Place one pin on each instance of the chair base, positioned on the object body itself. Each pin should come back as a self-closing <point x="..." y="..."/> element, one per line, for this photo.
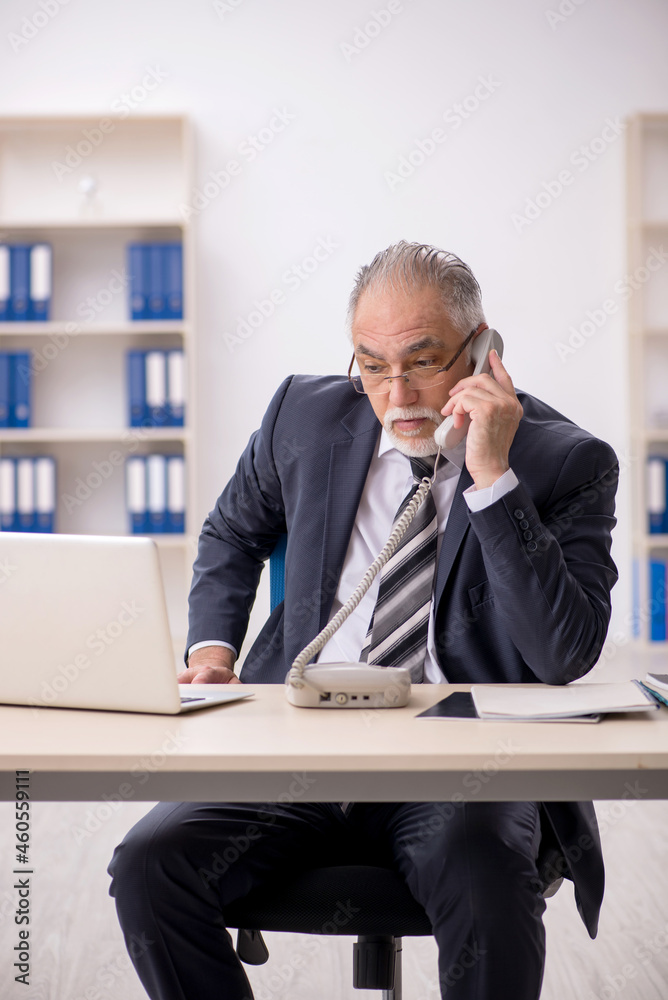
<point x="374" y="961"/>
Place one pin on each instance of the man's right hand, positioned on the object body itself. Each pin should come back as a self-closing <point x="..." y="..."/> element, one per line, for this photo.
<point x="210" y="665"/>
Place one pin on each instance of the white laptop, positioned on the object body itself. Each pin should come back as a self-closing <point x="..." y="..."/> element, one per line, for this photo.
<point x="83" y="624"/>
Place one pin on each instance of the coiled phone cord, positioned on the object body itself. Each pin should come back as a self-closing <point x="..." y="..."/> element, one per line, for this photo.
<point x="296" y="675"/>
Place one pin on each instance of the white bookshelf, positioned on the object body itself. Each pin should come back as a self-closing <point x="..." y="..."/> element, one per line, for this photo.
<point x="128" y="188"/>
<point x="647" y="237"/>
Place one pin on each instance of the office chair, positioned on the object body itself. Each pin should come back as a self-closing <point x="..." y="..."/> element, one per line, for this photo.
<point x="372" y="903"/>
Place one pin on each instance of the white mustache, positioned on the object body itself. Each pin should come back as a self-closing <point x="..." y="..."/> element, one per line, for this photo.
<point x="410" y="413"/>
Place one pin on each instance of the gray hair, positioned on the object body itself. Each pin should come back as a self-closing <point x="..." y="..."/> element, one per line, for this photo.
<point x="411" y="266"/>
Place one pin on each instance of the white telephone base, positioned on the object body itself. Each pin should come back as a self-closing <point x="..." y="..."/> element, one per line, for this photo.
<point x="350" y="685"/>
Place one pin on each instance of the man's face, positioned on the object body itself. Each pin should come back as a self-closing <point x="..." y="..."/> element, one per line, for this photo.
<point x="395" y="331"/>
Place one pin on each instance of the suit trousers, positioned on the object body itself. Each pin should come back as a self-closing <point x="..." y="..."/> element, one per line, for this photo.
<point x="472" y="866"/>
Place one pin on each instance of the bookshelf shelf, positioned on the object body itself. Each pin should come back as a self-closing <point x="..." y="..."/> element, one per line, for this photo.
<point x="647" y="229"/>
<point x="652" y="225"/>
<point x="101" y="223"/>
<point x="654" y="541"/>
<point x="76" y="435"/>
<point x="129" y="188"/>
<point x="658" y="332"/>
<point x="121" y="328"/>
<point x="656" y="434"/>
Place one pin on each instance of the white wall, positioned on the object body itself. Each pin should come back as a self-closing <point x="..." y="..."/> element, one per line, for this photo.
<point x="554" y="80"/>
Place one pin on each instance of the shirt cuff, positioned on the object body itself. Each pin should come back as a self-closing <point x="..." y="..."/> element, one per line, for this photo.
<point x="479" y="499"/>
<point x="211" y="642"/>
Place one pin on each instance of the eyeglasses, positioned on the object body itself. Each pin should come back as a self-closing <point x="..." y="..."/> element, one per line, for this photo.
<point x="376" y="384"/>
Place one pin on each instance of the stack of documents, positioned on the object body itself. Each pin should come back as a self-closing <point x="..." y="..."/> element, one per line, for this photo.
<point x="657" y="684"/>
<point x="523" y="703"/>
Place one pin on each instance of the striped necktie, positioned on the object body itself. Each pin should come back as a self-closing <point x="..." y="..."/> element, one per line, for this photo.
<point x="397" y="635"/>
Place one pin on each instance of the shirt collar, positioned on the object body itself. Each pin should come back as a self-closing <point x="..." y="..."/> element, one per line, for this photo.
<point x="455" y="455"/>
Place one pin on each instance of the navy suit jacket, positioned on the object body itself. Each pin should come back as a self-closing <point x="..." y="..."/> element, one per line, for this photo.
<point x="522" y="587"/>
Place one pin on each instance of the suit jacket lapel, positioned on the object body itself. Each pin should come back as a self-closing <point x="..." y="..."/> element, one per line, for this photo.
<point x="350" y="458"/>
<point x="455" y="531"/>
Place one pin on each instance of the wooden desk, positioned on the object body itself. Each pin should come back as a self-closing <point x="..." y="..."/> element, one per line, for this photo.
<point x="264" y="749"/>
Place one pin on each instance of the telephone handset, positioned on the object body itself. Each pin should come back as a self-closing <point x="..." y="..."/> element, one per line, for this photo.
<point x="446" y="435"/>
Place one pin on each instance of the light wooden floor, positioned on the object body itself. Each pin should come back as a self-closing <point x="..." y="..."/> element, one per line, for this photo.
<point x="78" y="952"/>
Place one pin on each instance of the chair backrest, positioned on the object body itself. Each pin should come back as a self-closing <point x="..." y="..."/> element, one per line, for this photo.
<point x="277" y="572"/>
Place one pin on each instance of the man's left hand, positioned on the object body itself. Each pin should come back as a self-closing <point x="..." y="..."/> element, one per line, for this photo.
<point x="495" y="413"/>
